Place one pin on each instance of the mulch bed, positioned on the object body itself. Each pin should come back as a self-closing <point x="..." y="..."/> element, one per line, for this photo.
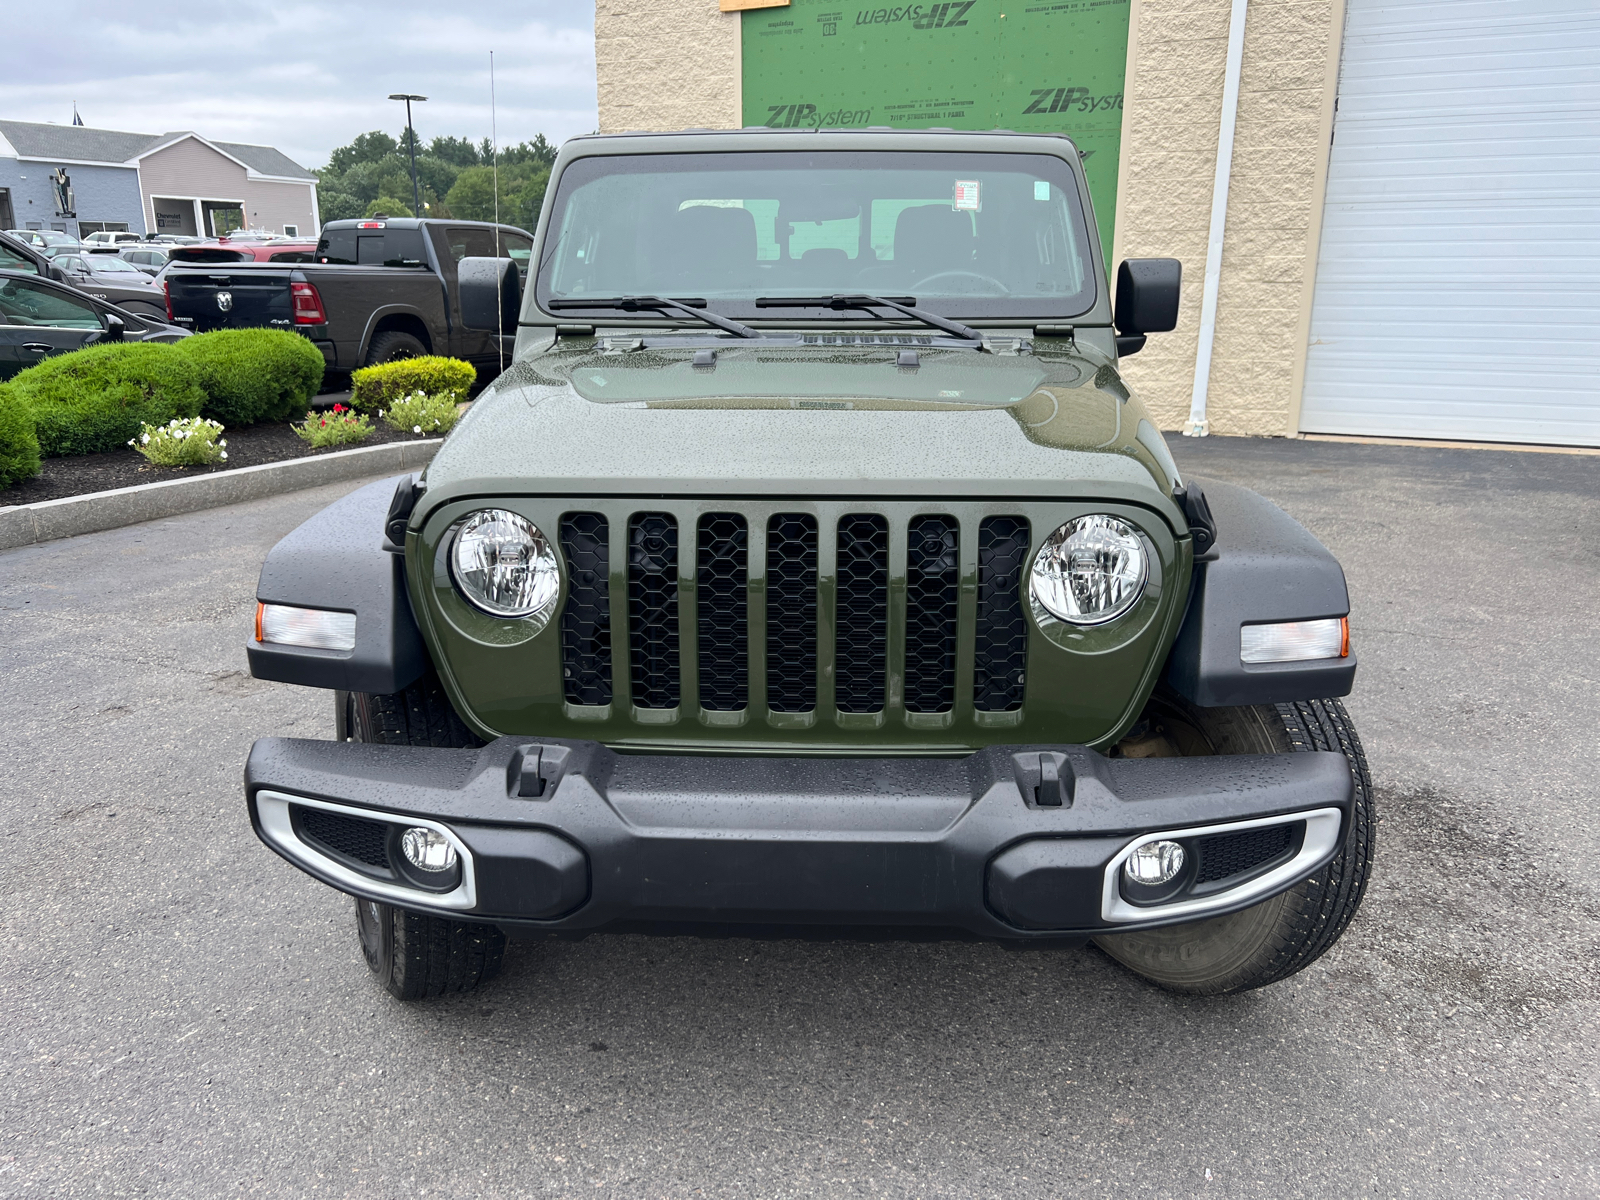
<point x="247" y="447"/>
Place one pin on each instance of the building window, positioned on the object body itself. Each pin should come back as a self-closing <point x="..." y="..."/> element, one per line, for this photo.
<point x="291" y="230"/>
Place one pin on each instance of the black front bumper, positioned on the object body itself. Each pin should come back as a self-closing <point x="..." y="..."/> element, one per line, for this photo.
<point x="569" y="836"/>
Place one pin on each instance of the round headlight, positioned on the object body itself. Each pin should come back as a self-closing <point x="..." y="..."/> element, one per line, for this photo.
<point x="503" y="565"/>
<point x="1090" y="570"/>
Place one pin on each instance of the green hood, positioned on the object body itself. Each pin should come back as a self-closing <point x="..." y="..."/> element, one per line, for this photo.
<point x="807" y="420"/>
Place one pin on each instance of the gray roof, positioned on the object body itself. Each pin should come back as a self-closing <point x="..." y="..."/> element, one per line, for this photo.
<point x="264" y="160"/>
<point x="33" y="140"/>
<point x="73" y="142"/>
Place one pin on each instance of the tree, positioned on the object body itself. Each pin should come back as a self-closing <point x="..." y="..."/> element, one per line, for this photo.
<point x="369" y="147"/>
<point x="388" y="206"/>
<point x="337" y="206"/>
<point x="458" y="152"/>
<point x="522" y="188"/>
<point x="375" y="168"/>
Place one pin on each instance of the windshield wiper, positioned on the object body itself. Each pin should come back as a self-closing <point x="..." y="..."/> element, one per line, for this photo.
<point x="902" y="304"/>
<point x="690" y="307"/>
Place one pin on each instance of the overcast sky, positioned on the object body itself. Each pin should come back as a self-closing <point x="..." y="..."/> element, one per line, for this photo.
<point x="304" y="77"/>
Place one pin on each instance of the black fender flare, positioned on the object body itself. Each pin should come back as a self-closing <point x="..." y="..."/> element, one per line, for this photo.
<point x="337" y="560"/>
<point x="1265" y="566"/>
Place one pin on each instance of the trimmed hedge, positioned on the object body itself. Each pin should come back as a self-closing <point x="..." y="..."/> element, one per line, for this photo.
<point x="252" y="375"/>
<point x="19" y="449"/>
<point x="94" y="400"/>
<point x="380" y="386"/>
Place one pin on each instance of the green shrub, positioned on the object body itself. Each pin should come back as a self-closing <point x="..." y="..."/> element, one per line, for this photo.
<point x="94" y="400"/>
<point x="252" y="375"/>
<point x="340" y="427"/>
<point x="19" y="449"/>
<point x="182" y="442"/>
<point x="379" y="387"/>
<point x="422" y="414"/>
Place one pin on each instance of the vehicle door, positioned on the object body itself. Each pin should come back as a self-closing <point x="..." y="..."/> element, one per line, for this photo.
<point x="38" y="320"/>
<point x="451" y="244"/>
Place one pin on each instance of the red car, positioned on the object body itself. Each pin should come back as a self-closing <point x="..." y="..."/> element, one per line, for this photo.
<point x="245" y="250"/>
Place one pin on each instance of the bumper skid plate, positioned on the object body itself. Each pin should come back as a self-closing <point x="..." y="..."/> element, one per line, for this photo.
<point x="1009" y="842"/>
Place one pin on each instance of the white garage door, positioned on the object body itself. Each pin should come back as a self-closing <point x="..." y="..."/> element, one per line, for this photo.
<point x="1458" y="286"/>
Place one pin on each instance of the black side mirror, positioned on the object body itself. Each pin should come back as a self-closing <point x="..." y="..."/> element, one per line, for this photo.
<point x="491" y="294"/>
<point x="1147" y="300"/>
<point x="116" y="328"/>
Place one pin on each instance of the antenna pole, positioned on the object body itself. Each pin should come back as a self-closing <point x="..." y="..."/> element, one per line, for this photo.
<point x="494" y="159"/>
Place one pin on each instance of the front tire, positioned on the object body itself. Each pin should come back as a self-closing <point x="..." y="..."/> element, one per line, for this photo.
<point x="417" y="956"/>
<point x="1287" y="933"/>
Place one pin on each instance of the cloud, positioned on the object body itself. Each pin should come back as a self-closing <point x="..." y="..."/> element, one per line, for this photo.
<point x="305" y="77"/>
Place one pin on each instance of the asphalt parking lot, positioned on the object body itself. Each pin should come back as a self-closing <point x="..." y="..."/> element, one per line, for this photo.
<point x="182" y="1014"/>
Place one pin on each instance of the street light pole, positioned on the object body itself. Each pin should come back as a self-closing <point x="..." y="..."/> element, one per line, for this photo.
<point x="411" y="145"/>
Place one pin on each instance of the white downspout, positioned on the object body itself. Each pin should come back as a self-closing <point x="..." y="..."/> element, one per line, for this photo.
<point x="1198" y="426"/>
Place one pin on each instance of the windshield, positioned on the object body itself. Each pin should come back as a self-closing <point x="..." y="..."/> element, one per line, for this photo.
<point x="964" y="234"/>
<point x="110" y="264"/>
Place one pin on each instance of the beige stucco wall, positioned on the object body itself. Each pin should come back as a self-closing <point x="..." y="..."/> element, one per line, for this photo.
<point x="1173" y="109"/>
<point x="274" y="205"/>
<point x="669" y="64"/>
<point x="666" y="65"/>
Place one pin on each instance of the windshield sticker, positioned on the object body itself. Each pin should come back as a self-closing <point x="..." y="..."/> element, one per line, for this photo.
<point x="966" y="197"/>
<point x="830" y="405"/>
<point x="1041" y="189"/>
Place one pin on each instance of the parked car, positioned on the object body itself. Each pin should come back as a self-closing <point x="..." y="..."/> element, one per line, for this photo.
<point x="113" y="237"/>
<point x="40" y="317"/>
<point x="816" y="565"/>
<point x="377" y="290"/>
<point x="148" y="258"/>
<point x="175" y="239"/>
<point x="105" y="275"/>
<point x="43" y="239"/>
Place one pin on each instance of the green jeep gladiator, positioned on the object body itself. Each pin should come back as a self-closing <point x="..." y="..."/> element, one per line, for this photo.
<point x="811" y="566"/>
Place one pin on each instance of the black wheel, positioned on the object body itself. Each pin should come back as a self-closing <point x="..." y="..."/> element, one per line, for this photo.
<point x="417" y="956"/>
<point x="1287" y="933"/>
<point x="391" y="346"/>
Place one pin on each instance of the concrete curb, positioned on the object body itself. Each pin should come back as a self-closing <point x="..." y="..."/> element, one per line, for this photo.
<point x="28" y="524"/>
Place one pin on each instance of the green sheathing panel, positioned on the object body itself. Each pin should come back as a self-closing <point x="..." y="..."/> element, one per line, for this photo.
<point x="969" y="64"/>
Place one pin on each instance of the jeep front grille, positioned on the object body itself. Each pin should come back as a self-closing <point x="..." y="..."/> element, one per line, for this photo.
<point x="786" y="612"/>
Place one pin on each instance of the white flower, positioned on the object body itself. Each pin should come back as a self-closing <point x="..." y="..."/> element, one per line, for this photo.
<point x="145" y="439"/>
<point x="224" y="456"/>
<point x="416" y="429"/>
<point x="223" y="442"/>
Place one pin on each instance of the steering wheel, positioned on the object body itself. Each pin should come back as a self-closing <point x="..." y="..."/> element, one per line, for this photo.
<point x="922" y="284"/>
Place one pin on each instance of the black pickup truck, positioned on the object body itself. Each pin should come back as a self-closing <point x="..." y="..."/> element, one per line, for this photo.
<point x="378" y="290"/>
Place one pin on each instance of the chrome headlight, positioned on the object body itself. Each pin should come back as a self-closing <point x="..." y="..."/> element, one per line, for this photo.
<point x="504" y="565"/>
<point x="1089" y="571"/>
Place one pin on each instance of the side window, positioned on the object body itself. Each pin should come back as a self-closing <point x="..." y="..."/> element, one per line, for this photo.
<point x="25" y="303"/>
<point x="10" y="260"/>
<point x="518" y="249"/>
<point x="469" y="243"/>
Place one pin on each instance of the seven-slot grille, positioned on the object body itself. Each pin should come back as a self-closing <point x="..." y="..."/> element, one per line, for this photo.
<point x="852" y="626"/>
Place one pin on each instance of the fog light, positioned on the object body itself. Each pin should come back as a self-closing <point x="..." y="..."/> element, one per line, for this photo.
<point x="1154" y="863"/>
<point x="430" y="850"/>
